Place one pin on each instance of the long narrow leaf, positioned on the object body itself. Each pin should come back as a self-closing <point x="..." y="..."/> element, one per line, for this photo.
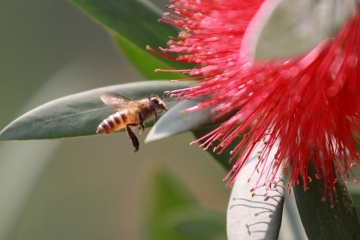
<point x="177" y="121"/>
<point x="320" y="220"/>
<point x="131" y="19"/>
<point x="200" y="122"/>
<point x="78" y="114"/>
<point x="255" y="215"/>
<point x="145" y="61"/>
<point x="134" y="22"/>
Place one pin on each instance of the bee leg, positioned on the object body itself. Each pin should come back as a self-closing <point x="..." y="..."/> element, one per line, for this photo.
<point x="133" y="138"/>
<point x="155" y="117"/>
<point x="142" y="127"/>
<point x="141" y="122"/>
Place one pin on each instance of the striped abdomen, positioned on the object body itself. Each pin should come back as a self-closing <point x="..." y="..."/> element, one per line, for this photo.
<point x="116" y="122"/>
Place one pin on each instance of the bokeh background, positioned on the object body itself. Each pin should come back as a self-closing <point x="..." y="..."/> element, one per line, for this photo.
<point x="80" y="188"/>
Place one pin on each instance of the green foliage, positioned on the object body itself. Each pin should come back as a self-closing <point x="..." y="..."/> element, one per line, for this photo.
<point x="133" y="20"/>
<point x="78" y="114"/>
<point x="134" y="25"/>
<point x="194" y="222"/>
<point x="320" y="220"/>
<point x="173" y="213"/>
<point x="356" y="199"/>
<point x="117" y="15"/>
<point x="145" y="61"/>
<point x="177" y="121"/>
<point x="201" y="122"/>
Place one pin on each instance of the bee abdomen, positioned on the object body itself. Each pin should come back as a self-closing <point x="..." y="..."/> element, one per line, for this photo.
<point x="110" y="124"/>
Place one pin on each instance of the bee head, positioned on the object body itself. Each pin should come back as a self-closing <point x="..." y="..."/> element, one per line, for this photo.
<point x="157" y="103"/>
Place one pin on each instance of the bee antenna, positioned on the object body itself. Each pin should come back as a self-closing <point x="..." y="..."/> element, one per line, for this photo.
<point x="162" y="97"/>
<point x="168" y="92"/>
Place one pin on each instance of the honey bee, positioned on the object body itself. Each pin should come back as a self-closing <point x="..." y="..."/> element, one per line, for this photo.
<point x="130" y="114"/>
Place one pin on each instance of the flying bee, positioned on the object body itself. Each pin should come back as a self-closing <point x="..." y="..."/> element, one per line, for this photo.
<point x="130" y="114"/>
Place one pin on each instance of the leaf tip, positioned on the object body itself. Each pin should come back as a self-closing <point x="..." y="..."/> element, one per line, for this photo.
<point x="154" y="136"/>
<point x="4" y="136"/>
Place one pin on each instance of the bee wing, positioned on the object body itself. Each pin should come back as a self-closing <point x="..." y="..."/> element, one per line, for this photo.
<point x="115" y="101"/>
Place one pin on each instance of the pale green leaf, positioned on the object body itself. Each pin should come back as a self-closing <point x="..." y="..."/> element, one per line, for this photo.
<point x="177" y="121"/>
<point x="79" y="114"/>
<point x="258" y="214"/>
<point x="283" y="28"/>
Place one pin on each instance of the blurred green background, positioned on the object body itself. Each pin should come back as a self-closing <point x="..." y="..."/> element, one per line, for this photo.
<point x="81" y="188"/>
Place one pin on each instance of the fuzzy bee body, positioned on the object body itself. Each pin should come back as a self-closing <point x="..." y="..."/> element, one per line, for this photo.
<point x="129" y="114"/>
<point x="117" y="121"/>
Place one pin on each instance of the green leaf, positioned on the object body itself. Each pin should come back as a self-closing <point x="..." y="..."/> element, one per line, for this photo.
<point x="200" y="122"/>
<point x="78" y="114"/>
<point x="319" y="219"/>
<point x="258" y="214"/>
<point x="145" y="61"/>
<point x="134" y="25"/>
<point x="356" y="199"/>
<point x="131" y="19"/>
<point x="290" y="27"/>
<point x="165" y="195"/>
<point x="197" y="223"/>
<point x="177" y="121"/>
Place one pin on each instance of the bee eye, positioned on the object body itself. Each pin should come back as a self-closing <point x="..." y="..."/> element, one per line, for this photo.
<point x="154" y="100"/>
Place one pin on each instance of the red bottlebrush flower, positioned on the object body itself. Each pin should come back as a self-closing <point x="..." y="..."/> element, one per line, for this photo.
<point x="309" y="105"/>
